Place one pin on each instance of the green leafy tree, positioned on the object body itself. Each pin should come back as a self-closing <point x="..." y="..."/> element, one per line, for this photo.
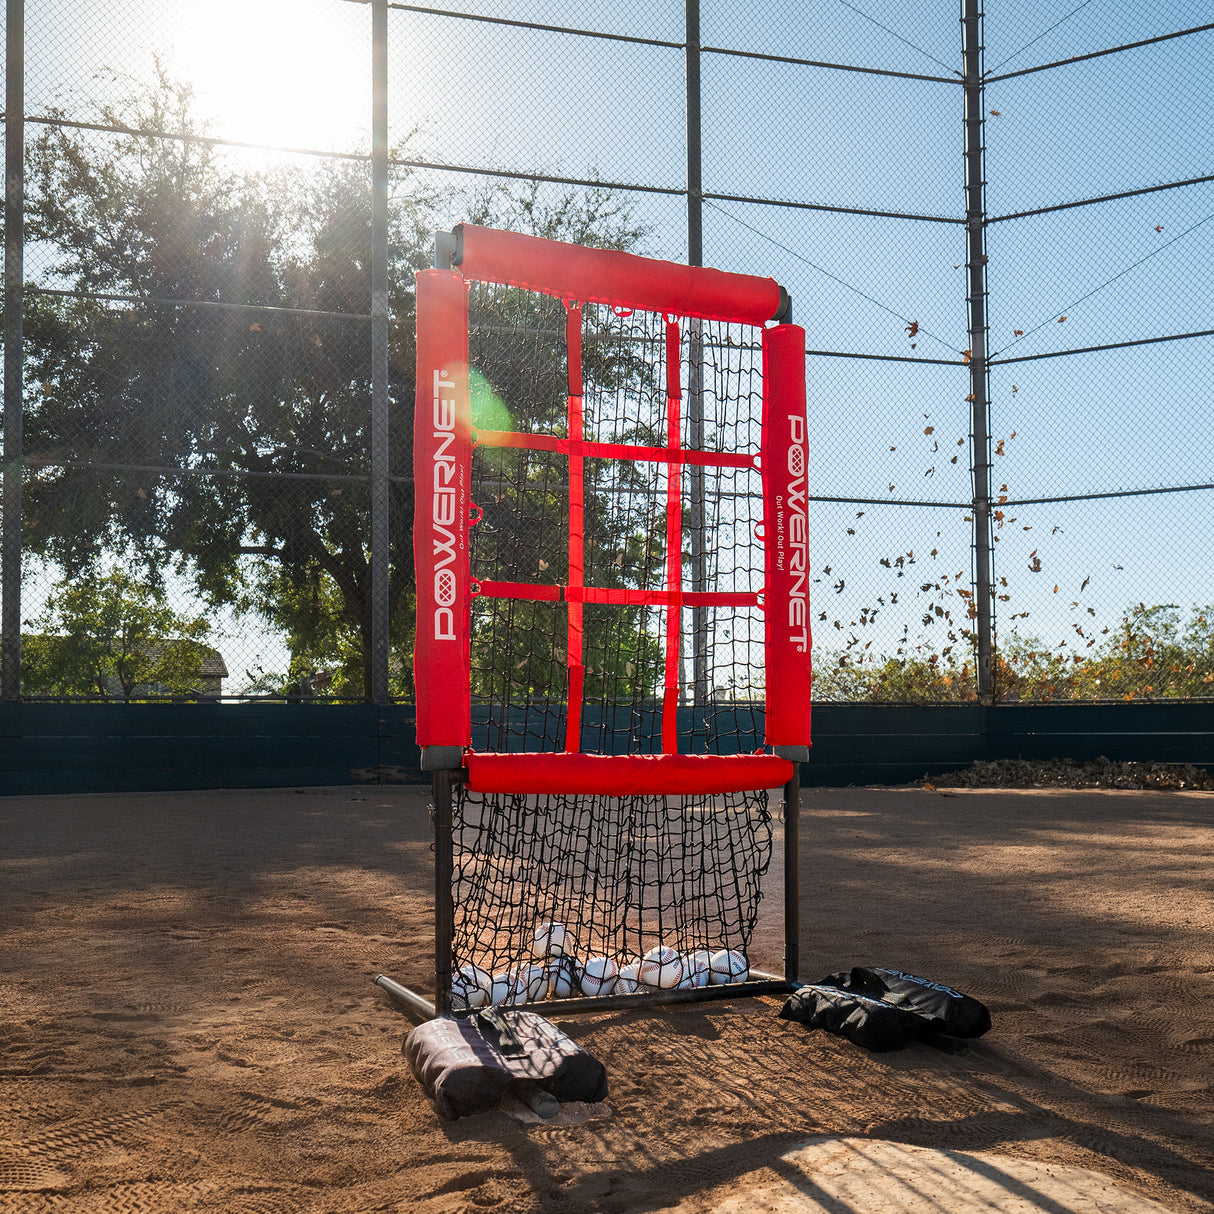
<point x="1154" y="654"/>
<point x="111" y="636"/>
<point x="268" y="410"/>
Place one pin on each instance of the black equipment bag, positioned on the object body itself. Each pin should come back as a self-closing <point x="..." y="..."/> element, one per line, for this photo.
<point x="863" y="1021"/>
<point x="943" y="1009"/>
<point x="467" y="1066"/>
<point x="885" y="1009"/>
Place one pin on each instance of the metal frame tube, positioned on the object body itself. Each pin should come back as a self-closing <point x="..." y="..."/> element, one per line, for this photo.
<point x="444" y="895"/>
<point x="792" y="877"/>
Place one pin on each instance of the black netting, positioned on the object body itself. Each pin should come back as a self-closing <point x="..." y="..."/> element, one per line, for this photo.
<point x="520" y="645"/>
<point x="621" y="876"/>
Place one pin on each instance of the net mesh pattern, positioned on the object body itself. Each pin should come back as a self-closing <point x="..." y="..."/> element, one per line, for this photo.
<point x="520" y="646"/>
<point x="620" y="875"/>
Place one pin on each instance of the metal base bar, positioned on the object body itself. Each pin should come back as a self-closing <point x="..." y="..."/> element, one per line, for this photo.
<point x="705" y="994"/>
<point x="406" y="998"/>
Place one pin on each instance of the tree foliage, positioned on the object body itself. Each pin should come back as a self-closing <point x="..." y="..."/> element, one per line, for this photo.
<point x="216" y="320"/>
<point x="1153" y="654"/>
<point x="110" y="636"/>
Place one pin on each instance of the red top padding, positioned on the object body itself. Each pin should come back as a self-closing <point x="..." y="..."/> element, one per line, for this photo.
<point x="605" y="276"/>
<point x="625" y="775"/>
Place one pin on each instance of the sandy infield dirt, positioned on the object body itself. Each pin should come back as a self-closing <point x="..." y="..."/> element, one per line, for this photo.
<point x="188" y="1022"/>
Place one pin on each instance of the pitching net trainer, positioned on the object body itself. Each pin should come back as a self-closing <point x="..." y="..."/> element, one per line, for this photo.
<point x="613" y="645"/>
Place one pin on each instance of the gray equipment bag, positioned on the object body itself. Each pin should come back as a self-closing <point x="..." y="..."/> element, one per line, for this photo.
<point x="467" y="1066"/>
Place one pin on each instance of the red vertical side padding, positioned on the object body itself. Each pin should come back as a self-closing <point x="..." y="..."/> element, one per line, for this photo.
<point x="442" y="459"/>
<point x="674" y="541"/>
<point x="786" y="536"/>
<point x="577" y="528"/>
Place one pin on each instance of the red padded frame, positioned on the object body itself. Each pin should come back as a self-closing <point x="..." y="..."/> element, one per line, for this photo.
<point x="626" y="775"/>
<point x="605" y="276"/>
<point x="443" y="445"/>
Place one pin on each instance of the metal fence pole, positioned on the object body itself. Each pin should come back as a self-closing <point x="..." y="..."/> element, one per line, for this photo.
<point x="380" y="553"/>
<point x="14" y="275"/>
<point x="975" y="241"/>
<point x="697" y="538"/>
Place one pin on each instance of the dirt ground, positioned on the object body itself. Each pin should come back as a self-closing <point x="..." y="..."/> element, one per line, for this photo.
<point x="188" y="1022"/>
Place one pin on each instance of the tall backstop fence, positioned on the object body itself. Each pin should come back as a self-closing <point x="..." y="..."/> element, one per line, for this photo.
<point x="994" y="226"/>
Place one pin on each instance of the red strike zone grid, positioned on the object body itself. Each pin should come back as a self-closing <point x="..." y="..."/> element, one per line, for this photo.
<point x="444" y="442"/>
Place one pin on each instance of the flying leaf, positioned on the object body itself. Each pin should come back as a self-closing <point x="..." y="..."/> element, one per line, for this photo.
<point x="929" y="430"/>
<point x="1061" y="319"/>
<point x="1159" y="227"/>
<point x="1017" y="332"/>
<point x="912" y="329"/>
<point x="965" y="355"/>
<point x="997" y="113"/>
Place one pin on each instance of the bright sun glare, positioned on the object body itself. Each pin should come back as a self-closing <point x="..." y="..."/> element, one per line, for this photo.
<point x="289" y="73"/>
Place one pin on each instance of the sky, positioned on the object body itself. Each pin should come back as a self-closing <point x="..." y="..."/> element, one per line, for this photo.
<point x="492" y="95"/>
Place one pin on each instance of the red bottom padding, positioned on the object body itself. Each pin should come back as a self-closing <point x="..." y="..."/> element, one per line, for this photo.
<point x="625" y="775"/>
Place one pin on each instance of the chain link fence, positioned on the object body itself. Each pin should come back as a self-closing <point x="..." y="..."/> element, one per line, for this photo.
<point x="995" y="230"/>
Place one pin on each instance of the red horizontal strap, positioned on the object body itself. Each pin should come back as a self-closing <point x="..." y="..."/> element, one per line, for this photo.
<point x="516" y="438"/>
<point x="595" y="450"/>
<point x="519" y="590"/>
<point x="664" y="455"/>
<point x="662" y="598"/>
<point x="616" y="596"/>
<point x="625" y="775"/>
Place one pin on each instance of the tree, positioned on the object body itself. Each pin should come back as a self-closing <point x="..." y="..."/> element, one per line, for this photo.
<point x="267" y="410"/>
<point x="113" y="637"/>
<point x="1154" y="654"/>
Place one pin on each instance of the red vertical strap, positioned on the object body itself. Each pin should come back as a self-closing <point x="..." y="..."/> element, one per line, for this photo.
<point x="442" y="458"/>
<point x="785" y="459"/>
<point x="577" y="528"/>
<point x="674" y="541"/>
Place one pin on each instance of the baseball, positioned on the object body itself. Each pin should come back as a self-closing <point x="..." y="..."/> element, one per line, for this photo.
<point x="469" y="988"/>
<point x="506" y="989"/>
<point x="599" y="975"/>
<point x="661" y="967"/>
<point x="696" y="966"/>
<point x="532" y="980"/>
<point x="561" y="973"/>
<point x="551" y="940"/>
<point x="729" y="965"/>
<point x="628" y="981"/>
